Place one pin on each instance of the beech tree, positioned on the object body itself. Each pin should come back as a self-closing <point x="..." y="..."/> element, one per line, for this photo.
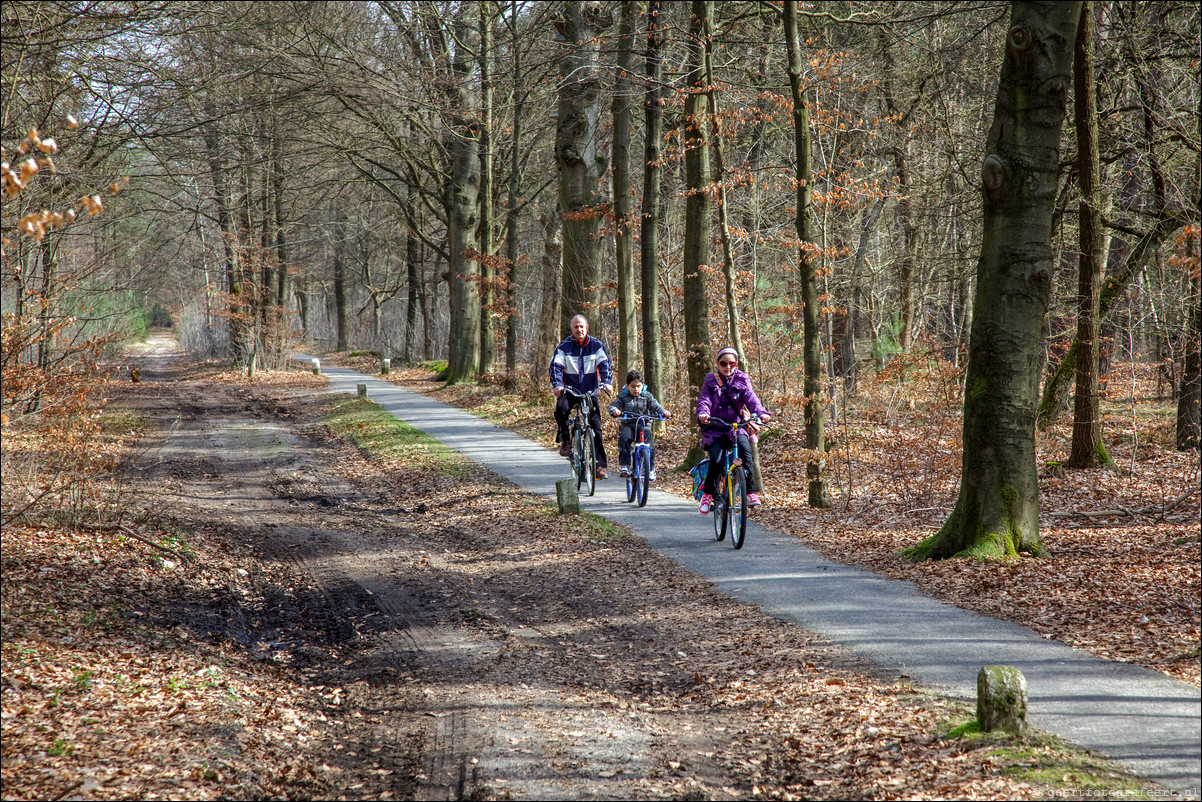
<point x="578" y="157"/>
<point x="819" y="494"/>
<point x="649" y="229"/>
<point x="997" y="511"/>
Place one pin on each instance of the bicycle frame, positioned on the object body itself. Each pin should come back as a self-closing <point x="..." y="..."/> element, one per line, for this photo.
<point x="730" y="500"/>
<point x="637" y="484"/>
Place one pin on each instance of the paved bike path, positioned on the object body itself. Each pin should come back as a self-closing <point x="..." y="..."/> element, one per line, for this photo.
<point x="1141" y="718"/>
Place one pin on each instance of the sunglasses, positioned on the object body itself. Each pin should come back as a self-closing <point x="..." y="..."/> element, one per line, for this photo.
<point x="728" y="363"/>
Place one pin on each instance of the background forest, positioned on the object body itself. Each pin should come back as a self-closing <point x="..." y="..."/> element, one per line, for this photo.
<point x="453" y="181"/>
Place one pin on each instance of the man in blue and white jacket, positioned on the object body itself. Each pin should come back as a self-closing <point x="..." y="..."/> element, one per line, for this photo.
<point x="580" y="364"/>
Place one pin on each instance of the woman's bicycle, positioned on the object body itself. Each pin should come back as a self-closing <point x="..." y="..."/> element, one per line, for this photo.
<point x="581" y="436"/>
<point x="639" y="480"/>
<point x="730" y="508"/>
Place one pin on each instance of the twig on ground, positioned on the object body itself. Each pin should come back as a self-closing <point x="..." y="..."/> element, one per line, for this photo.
<point x="185" y="559"/>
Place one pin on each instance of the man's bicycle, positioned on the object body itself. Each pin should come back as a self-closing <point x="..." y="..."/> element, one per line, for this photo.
<point x="730" y="509"/>
<point x="582" y="437"/>
<point x="639" y="480"/>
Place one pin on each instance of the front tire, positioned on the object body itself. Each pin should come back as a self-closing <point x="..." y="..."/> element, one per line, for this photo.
<point x="590" y="462"/>
<point x="719" y="509"/>
<point x="643" y="460"/>
<point x="738" y="509"/>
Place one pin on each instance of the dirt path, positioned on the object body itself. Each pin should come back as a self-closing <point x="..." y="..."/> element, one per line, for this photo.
<point x="463" y="642"/>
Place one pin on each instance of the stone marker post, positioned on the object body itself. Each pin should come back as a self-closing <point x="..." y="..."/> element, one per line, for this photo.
<point x="362" y="392"/>
<point x="1002" y="699"/>
<point x="566" y="495"/>
<point x="385" y="366"/>
<point x="317" y="367"/>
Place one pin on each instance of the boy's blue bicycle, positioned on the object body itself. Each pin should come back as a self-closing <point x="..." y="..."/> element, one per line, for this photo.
<point x="639" y="480"/>
<point x="730" y="509"/>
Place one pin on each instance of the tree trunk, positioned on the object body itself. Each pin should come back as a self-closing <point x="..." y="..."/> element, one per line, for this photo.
<point x="623" y="222"/>
<point x="488" y="333"/>
<point x="997" y="512"/>
<point x="728" y="255"/>
<point x="697" y="207"/>
<point x="1189" y="412"/>
<point x="1087" y="448"/>
<point x="580" y="164"/>
<point x="463" y="351"/>
<point x="512" y="216"/>
<point x="819" y="493"/>
<point x="649" y="228"/>
<point x="547" y="332"/>
<point x="340" y="281"/>
<point x="413" y="282"/>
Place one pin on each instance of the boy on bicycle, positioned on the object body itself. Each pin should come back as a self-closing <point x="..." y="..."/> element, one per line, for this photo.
<point x="726" y="394"/>
<point x="634" y="400"/>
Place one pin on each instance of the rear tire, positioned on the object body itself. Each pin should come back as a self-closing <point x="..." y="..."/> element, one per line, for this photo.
<point x="738" y="509"/>
<point x="577" y="455"/>
<point x="643" y="460"/>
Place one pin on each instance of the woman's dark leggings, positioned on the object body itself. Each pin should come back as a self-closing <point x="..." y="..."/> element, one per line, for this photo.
<point x="716" y="463"/>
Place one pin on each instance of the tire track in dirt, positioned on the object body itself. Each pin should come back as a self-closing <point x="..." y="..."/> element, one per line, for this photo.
<point x="232" y="465"/>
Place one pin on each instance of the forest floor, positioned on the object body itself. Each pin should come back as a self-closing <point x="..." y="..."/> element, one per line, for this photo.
<point x="1125" y="578"/>
<point x="276" y="612"/>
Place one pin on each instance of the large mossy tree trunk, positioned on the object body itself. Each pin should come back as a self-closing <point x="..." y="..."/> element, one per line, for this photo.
<point x="997" y="512"/>
<point x="579" y="161"/>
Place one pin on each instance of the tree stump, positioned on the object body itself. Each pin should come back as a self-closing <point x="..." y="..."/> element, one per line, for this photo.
<point x="1002" y="699"/>
<point x="566" y="495"/>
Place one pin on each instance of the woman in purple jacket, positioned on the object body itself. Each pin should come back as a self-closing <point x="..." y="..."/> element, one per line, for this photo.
<point x="726" y="394"/>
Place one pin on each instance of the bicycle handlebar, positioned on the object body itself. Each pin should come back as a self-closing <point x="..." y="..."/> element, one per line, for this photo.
<point x="575" y="394"/>
<point x="717" y="424"/>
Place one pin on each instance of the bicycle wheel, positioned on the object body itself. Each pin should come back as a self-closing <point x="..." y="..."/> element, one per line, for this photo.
<point x="643" y="461"/>
<point x="738" y="508"/>
<point x="632" y="478"/>
<point x="578" y="455"/>
<point x="589" y="462"/>
<point x="719" y="509"/>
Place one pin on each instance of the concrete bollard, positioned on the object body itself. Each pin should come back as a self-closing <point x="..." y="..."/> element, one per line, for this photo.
<point x="362" y="392"/>
<point x="317" y="367"/>
<point x="566" y="495"/>
<point x="385" y="367"/>
<point x="1002" y="699"/>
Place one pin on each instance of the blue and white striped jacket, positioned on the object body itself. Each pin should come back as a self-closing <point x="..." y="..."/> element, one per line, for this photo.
<point x="577" y="366"/>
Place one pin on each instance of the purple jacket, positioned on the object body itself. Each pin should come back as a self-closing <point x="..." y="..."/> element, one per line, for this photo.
<point x="726" y="402"/>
